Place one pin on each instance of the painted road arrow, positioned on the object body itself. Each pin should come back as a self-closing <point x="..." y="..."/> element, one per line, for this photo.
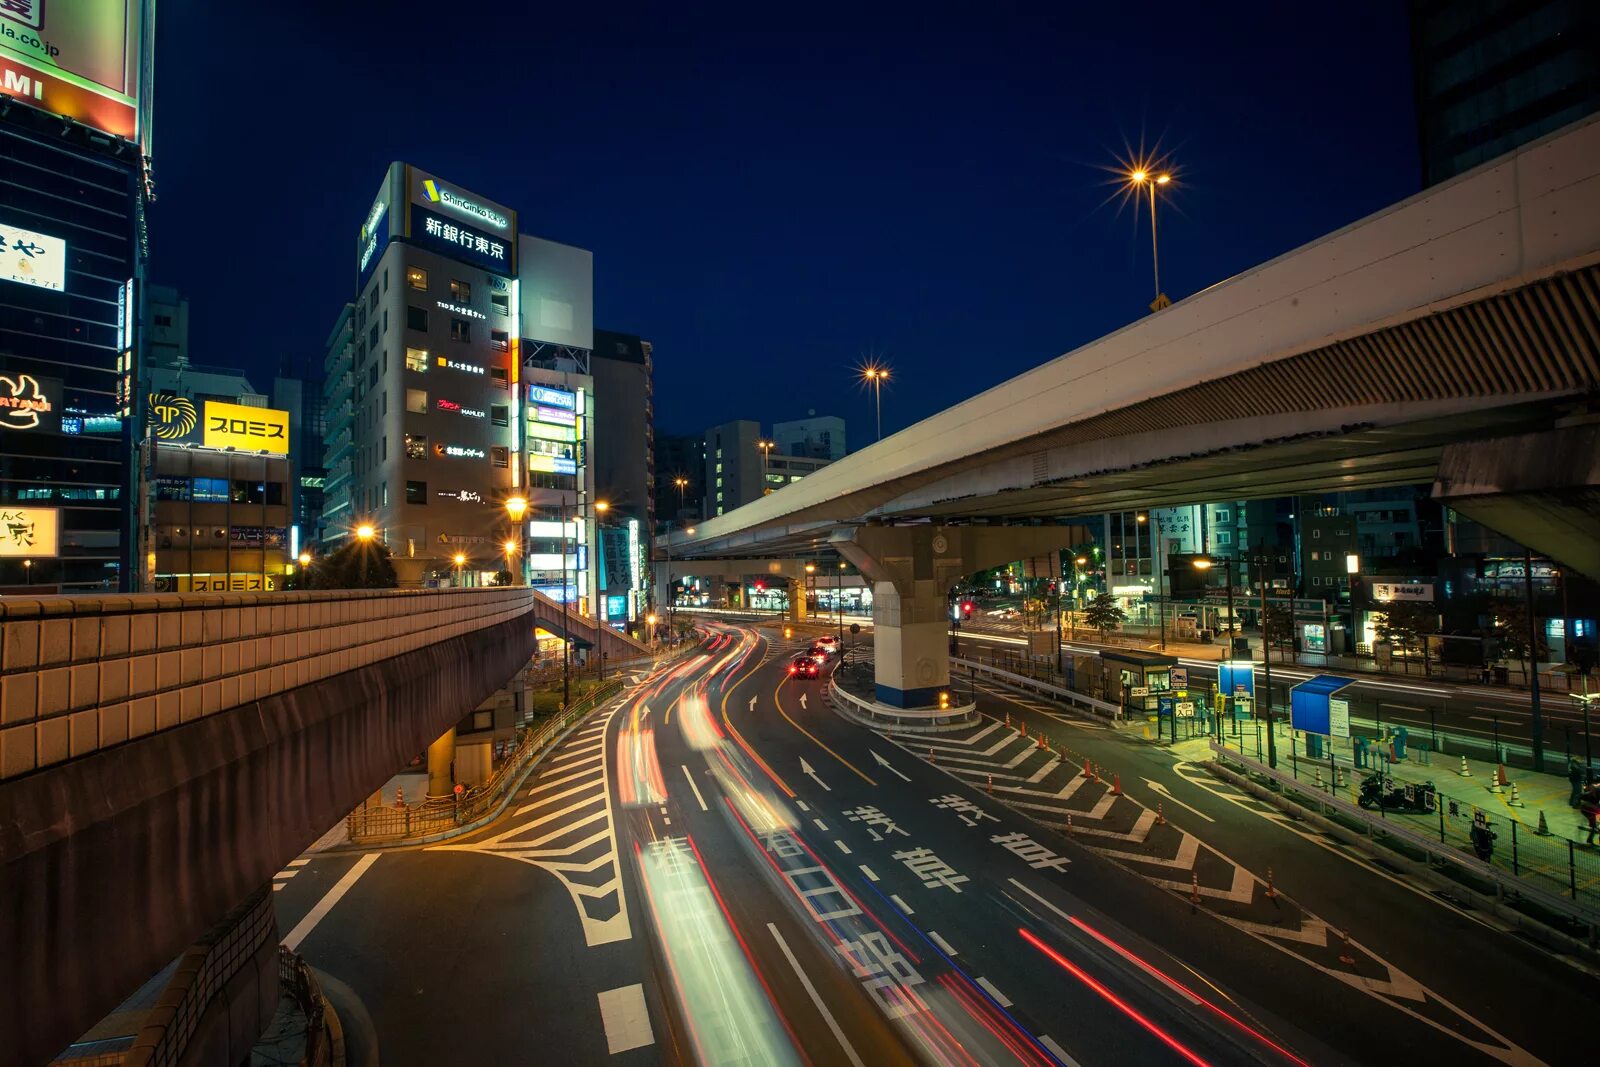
<point x="752" y="703"/>
<point x="1164" y="791"/>
<point x="802" y="700"/>
<point x="885" y="764"/>
<point x="811" y="772"/>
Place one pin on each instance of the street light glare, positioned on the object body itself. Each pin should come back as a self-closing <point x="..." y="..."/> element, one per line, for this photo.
<point x="1138" y="176"/>
<point x="601" y="506"/>
<point x="516" y="507"/>
<point x="510" y="547"/>
<point x="305" y="559"/>
<point x="365" y="531"/>
<point x="1201" y="563"/>
<point x="460" y="558"/>
<point x="1164" y="179"/>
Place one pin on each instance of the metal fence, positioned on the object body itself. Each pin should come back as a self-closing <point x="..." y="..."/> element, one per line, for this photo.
<point x="388" y="824"/>
<point x="1548" y="869"/>
<point x="296" y="980"/>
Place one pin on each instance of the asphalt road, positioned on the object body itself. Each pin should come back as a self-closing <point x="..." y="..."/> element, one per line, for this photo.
<point x="718" y="868"/>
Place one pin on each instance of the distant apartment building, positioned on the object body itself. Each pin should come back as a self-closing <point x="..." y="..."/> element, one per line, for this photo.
<point x="738" y="469"/>
<point x="813" y="437"/>
<point x="680" y="456"/>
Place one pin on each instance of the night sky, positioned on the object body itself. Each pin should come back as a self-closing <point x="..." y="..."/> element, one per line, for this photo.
<point x="771" y="207"/>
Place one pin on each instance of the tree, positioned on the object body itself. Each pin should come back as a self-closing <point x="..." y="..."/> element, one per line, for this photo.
<point x="1408" y="623"/>
<point x="1277" y="627"/>
<point x="501" y="577"/>
<point x="1103" y="614"/>
<point x="345" y="568"/>
<point x="1511" y="630"/>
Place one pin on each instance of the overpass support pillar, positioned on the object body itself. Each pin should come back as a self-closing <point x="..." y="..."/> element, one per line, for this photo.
<point x="797" y="600"/>
<point x="442" y="764"/>
<point x="912" y="569"/>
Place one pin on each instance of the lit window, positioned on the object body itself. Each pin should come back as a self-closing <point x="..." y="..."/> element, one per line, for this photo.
<point x="500" y="456"/>
<point x="1223" y="514"/>
<point x="416" y="446"/>
<point x="417" y="278"/>
<point x="417" y="360"/>
<point x="417" y="401"/>
<point x="500" y="339"/>
<point x="460" y="292"/>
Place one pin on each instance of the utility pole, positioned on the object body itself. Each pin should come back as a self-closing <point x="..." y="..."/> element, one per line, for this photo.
<point x="1536" y="727"/>
<point x="1266" y="657"/>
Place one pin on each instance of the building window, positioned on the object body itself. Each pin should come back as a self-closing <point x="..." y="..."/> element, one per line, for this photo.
<point x="500" y="414"/>
<point x="1316" y="535"/>
<point x="416" y="318"/>
<point x="417" y="278"/>
<point x="372" y="376"/>
<point x="383" y="402"/>
<point x="383" y="449"/>
<point x="499" y="376"/>
<point x="417" y="401"/>
<point x="385" y="494"/>
<point x="416" y="446"/>
<point x="385" y="320"/>
<point x="1223" y="514"/>
<point x="417" y="360"/>
<point x="386" y="279"/>
<point x="416" y="492"/>
<point x="1315" y="580"/>
<point x="500" y="302"/>
<point x="500" y="456"/>
<point x="460" y="330"/>
<point x="1224" y="537"/>
<point x="372" y="305"/>
<point x="372" y="338"/>
<point x="500" y="339"/>
<point x="213" y="490"/>
<point x="460" y="291"/>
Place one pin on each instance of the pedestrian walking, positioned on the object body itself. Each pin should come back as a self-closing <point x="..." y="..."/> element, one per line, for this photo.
<point x="1589" y="804"/>
<point x="1577" y="778"/>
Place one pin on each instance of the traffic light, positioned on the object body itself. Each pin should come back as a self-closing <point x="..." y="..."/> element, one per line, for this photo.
<point x="761" y="587"/>
<point x="966" y="609"/>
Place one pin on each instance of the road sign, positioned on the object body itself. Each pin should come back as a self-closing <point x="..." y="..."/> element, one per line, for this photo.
<point x="1186" y="709"/>
<point x="1139" y="691"/>
<point x="1180" y="677"/>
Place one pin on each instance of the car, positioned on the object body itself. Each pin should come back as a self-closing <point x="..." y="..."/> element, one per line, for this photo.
<point x="805" y="665"/>
<point x="830" y="641"/>
<point x="821" y="651"/>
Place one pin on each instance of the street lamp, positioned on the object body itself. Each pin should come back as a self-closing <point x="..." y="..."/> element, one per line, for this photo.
<point x="516" y="508"/>
<point x="27" y="570"/>
<point x="1156" y="550"/>
<point x="510" y="549"/>
<point x="683" y="485"/>
<point x="875" y="375"/>
<point x="1352" y="567"/>
<point x="459" y="559"/>
<point x="365" y="533"/>
<point x="838" y="601"/>
<point x="1140" y="179"/>
<point x="766" y="455"/>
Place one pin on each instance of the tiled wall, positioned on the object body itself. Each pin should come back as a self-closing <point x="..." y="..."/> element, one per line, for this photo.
<point x="82" y="673"/>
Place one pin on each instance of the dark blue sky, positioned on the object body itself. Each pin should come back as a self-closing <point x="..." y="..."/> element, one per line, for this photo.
<point x="769" y="207"/>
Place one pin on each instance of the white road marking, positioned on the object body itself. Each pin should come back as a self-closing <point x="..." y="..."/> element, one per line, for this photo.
<point x="286" y="875"/>
<point x="820" y="825"/>
<point x="944" y="946"/>
<point x="1057" y="1051"/>
<point x="329" y="899"/>
<point x="700" y="799"/>
<point x="885" y="765"/>
<point x="298" y="863"/>
<point x="552" y="799"/>
<point x="842" y="847"/>
<point x="811" y="990"/>
<point x="999" y="997"/>
<point x="868" y="872"/>
<point x="801" y="805"/>
<point x="1158" y="788"/>
<point x="902" y="905"/>
<point x="276" y="886"/>
<point x="627" y="1020"/>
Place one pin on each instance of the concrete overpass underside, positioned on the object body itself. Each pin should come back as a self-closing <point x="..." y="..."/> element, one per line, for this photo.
<point x="113" y="863"/>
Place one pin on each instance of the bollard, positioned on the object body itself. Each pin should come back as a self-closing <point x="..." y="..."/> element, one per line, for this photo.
<point x="1161" y="818"/>
<point x="1344" y="950"/>
<point x="1069" y="824"/>
<point x="1272" y="890"/>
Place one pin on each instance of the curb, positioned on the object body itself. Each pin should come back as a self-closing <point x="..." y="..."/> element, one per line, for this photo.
<point x="1570" y="950"/>
<point x="335" y="1028"/>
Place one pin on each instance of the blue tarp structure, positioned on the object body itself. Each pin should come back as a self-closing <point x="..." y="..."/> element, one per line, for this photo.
<point x="1311" y="705"/>
<point x="1233" y="674"/>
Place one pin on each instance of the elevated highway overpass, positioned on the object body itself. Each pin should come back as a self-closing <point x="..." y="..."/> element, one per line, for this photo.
<point x="162" y="756"/>
<point x="1398" y="350"/>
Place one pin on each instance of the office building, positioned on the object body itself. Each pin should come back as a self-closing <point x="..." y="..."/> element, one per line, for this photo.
<point x="815" y="437"/>
<point x="738" y="469"/>
<point x="624" y="464"/>
<point x="1491" y="75"/>
<point x="166" y="326"/>
<point x="73" y="150"/>
<point x="679" y="456"/>
<point x="338" y="414"/>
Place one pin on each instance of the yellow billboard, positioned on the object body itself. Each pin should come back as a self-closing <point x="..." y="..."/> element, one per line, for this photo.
<point x="246" y="429"/>
<point x="30" y="532"/>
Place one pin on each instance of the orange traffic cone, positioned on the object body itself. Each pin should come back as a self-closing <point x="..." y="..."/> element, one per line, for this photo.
<point x="1272" y="890"/>
<point x="1161" y="818"/>
<point x="1116" y="786"/>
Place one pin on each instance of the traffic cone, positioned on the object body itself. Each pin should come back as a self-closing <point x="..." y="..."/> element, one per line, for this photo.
<point x="1516" y="798"/>
<point x="1495" y="784"/>
<point x="930" y="756"/>
<point x="1194" y="893"/>
<point x="1319" y="778"/>
<point x="1465" y="771"/>
<point x="1008" y="720"/>
<point x="1344" y="950"/>
<point x="399" y="797"/>
<point x="1500" y="774"/>
<point x="1088" y="769"/>
<point x="991" y="783"/>
<point x="1041" y="740"/>
<point x="1272" y="890"/>
<point x="1116" y="786"/>
<point x="1544" y="827"/>
<point x="1069" y="824"/>
<point x="1161" y="818"/>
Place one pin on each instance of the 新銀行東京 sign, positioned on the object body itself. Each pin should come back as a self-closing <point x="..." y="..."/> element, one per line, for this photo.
<point x="1385" y="591"/>
<point x="470" y="368"/>
<point x="460" y="451"/>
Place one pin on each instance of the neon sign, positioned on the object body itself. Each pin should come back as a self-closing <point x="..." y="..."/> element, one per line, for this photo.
<point x="459" y="451"/>
<point x="457" y="309"/>
<point x="438" y="194"/>
<point x="456" y="409"/>
<point x="470" y="368"/>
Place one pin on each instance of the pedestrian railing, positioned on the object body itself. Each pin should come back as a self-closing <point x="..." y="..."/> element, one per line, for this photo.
<point x="1061" y="693"/>
<point x="1552" y="873"/>
<point x="296" y="980"/>
<point x="390" y="824"/>
<point x="917" y="720"/>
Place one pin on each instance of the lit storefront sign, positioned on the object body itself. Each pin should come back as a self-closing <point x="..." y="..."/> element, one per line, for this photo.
<point x="81" y="60"/>
<point x="555" y="398"/>
<point x="32" y="258"/>
<point x="470" y="368"/>
<point x="26" y="404"/>
<point x="372" y="237"/>
<point x="1387" y="591"/>
<point x="246" y="428"/>
<point x="538" y="461"/>
<point x="540" y="431"/>
<point x="457" y="409"/>
<point x="461" y="496"/>
<point x="459" y="452"/>
<point x="173" y="418"/>
<point x="554" y="415"/>
<point x="32" y="532"/>
<point x="459" y="242"/>
<point x="436" y="192"/>
<point x="457" y="309"/>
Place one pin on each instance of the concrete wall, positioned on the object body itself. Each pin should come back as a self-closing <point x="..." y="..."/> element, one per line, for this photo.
<point x="113" y="863"/>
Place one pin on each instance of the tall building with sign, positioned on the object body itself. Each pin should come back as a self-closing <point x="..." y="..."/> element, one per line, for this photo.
<point x="74" y="139"/>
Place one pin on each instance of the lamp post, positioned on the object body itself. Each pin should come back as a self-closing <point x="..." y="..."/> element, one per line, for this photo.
<point x="766" y="455"/>
<point x="1352" y="568"/>
<point x="875" y="375"/>
<point x="1141" y="179"/>
<point x="1080" y="562"/>
<point x="459" y="559"/>
<point x="1205" y="563"/>
<point x="838" y="601"/>
<point x="516" y="508"/>
<point x="1261" y="557"/>
<point x="27" y="570"/>
<point x="811" y="580"/>
<point x="510" y="549"/>
<point x="1161" y="595"/>
<point x="364" y="534"/>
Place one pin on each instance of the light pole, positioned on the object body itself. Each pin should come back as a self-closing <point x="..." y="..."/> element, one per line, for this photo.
<point x="838" y="601"/>
<point x="1260" y="557"/>
<point x="811" y="580"/>
<point x="875" y="375"/>
<point x="27" y="570"/>
<point x="1352" y="568"/>
<point x="459" y="559"/>
<point x="516" y="508"/>
<point x="1161" y="595"/>
<point x="364" y="534"/>
<point x="1140" y="180"/>
<point x="766" y="455"/>
<point x="683" y="485"/>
